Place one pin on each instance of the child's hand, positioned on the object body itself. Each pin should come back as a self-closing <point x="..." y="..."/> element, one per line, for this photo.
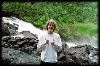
<point x="53" y="43"/>
<point x="47" y="41"/>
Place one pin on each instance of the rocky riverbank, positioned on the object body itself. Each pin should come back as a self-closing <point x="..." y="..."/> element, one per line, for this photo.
<point x="80" y="54"/>
<point x="21" y="48"/>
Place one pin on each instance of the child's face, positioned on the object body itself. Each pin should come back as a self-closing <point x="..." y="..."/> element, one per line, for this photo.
<point x="50" y="27"/>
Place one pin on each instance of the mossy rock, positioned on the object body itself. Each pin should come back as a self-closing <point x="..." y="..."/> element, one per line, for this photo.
<point x="5" y="29"/>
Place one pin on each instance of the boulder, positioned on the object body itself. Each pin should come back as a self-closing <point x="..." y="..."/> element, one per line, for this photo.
<point x="23" y="43"/>
<point x="21" y="48"/>
<point x="11" y="56"/>
<point x="80" y="54"/>
<point x="9" y="29"/>
<point x="5" y="29"/>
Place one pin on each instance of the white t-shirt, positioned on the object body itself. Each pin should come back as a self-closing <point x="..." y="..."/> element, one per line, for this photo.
<point x="49" y="52"/>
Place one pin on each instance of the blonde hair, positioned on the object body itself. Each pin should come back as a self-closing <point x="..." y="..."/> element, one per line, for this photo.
<point x="51" y="21"/>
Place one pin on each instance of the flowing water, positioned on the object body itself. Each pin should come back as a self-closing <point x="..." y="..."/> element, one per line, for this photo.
<point x="26" y="26"/>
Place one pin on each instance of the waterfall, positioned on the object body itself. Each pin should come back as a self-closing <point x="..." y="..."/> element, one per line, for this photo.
<point x="26" y="26"/>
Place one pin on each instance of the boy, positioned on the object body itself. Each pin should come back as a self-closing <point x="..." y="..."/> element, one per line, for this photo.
<point x="49" y="44"/>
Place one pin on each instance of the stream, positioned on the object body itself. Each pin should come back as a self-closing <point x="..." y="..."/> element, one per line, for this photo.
<point x="26" y="26"/>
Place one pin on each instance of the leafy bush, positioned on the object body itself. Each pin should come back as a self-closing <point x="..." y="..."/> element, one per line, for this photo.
<point x="65" y="13"/>
<point x="86" y="28"/>
<point x="5" y="30"/>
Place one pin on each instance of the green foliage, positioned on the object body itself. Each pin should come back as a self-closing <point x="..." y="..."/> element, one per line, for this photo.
<point x="67" y="14"/>
<point x="86" y="28"/>
<point x="5" y="30"/>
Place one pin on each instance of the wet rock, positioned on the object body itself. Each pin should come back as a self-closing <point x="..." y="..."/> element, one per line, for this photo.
<point x="80" y="54"/>
<point x="13" y="26"/>
<point x="23" y="50"/>
<point x="12" y="29"/>
<point x="5" y="29"/>
<point x="27" y="44"/>
<point x="28" y="34"/>
<point x="6" y="38"/>
<point x="20" y="42"/>
<point x="12" y="32"/>
<point x="9" y="29"/>
<point x="12" y="56"/>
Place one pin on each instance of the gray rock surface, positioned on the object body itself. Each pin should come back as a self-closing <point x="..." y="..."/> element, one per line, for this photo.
<point x="80" y="54"/>
<point x="18" y="57"/>
<point x="26" y="44"/>
<point x="21" y="48"/>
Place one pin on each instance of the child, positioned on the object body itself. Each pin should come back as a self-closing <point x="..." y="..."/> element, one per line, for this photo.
<point x="49" y="43"/>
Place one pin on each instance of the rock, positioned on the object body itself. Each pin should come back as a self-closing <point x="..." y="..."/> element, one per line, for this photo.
<point x="70" y="44"/>
<point x="21" y="48"/>
<point x="6" y="38"/>
<point x="6" y="45"/>
<point x="80" y="54"/>
<point x="13" y="27"/>
<point x="94" y="57"/>
<point x="12" y="40"/>
<point x="18" y="42"/>
<point x="18" y="38"/>
<point x="12" y="56"/>
<point x="9" y="29"/>
<point x="5" y="29"/>
<point x="16" y="46"/>
<point x="12" y="32"/>
<point x="28" y="34"/>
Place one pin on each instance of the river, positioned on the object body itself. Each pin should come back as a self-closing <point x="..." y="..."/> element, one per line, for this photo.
<point x="26" y="26"/>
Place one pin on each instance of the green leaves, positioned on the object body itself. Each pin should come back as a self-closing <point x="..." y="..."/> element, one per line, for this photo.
<point x="72" y="11"/>
<point x="86" y="28"/>
<point x="65" y="13"/>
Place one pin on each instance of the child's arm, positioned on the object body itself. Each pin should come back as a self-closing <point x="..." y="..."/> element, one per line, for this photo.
<point x="58" y="44"/>
<point x="41" y="44"/>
